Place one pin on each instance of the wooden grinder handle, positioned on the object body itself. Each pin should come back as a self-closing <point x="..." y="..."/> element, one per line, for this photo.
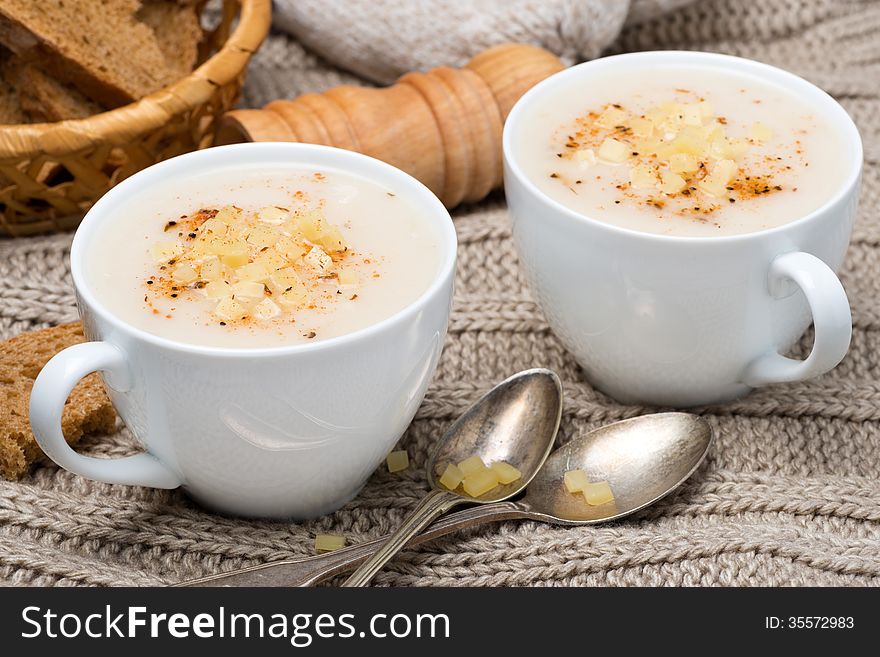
<point x="443" y="126"/>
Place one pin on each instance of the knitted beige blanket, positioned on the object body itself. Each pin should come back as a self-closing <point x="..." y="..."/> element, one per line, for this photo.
<point x="790" y="494"/>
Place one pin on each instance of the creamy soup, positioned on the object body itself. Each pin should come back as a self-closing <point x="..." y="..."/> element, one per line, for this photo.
<point x="253" y="258"/>
<point x="681" y="151"/>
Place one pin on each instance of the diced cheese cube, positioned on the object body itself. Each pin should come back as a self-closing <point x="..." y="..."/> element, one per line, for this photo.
<point x="689" y="141"/>
<point x="271" y="259"/>
<point x="228" y="214"/>
<point x="722" y="172"/>
<point x="285" y="278"/>
<point x="312" y="225"/>
<point x="657" y="117"/>
<point x="575" y="481"/>
<point x="291" y="249"/>
<point x="331" y="240"/>
<point x="213" y="228"/>
<point x="614" y="151"/>
<point x="471" y="465"/>
<point x="683" y="163"/>
<point x="347" y="277"/>
<point x="319" y="260"/>
<point x="256" y="272"/>
<point x="452" y="477"/>
<point x="692" y="115"/>
<point x="260" y="236"/>
<point x="218" y="289"/>
<point x="293" y="297"/>
<point x="480" y="482"/>
<point x="165" y="251"/>
<point x="506" y="473"/>
<point x="727" y="149"/>
<point x="232" y="252"/>
<point x="598" y="493"/>
<point x="650" y="146"/>
<point x="229" y="309"/>
<point x="586" y="156"/>
<point x="290" y="227"/>
<point x="611" y="118"/>
<point x="328" y="543"/>
<point x="266" y="309"/>
<point x="207" y="245"/>
<point x="211" y="269"/>
<point x="248" y="290"/>
<point x="200" y="248"/>
<point x="184" y="273"/>
<point x="273" y="215"/>
<point x="643" y="176"/>
<point x="673" y="118"/>
<point x="234" y="260"/>
<point x="230" y="246"/>
<point x="712" y="187"/>
<point x="671" y="183"/>
<point x="397" y="461"/>
<point x="642" y="127"/>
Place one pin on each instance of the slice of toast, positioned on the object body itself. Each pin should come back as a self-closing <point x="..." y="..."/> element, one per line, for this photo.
<point x="10" y="109"/>
<point x="178" y="31"/>
<point x="88" y="409"/>
<point x="10" y="103"/>
<point x="43" y="98"/>
<point x="100" y="48"/>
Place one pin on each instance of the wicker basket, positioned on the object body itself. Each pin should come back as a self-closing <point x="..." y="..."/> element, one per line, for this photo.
<point x="51" y="173"/>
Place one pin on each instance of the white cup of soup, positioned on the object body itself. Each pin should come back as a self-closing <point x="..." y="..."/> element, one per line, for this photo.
<point x="266" y="319"/>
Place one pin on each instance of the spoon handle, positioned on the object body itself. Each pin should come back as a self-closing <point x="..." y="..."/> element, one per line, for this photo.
<point x="313" y="570"/>
<point x="433" y="505"/>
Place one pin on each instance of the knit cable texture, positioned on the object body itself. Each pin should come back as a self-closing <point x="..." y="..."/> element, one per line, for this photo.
<point x="790" y="494"/>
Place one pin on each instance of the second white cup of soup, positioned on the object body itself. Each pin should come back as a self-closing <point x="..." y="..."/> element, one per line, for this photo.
<point x="680" y="217"/>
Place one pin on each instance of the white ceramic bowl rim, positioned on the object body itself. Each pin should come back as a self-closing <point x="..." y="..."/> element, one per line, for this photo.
<point x="639" y="61"/>
<point x="201" y="161"/>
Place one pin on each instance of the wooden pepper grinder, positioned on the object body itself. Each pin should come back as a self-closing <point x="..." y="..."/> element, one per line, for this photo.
<point x="443" y="126"/>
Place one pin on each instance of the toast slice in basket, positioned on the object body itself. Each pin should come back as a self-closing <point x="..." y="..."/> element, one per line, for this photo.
<point x="10" y="107"/>
<point x="177" y="30"/>
<point x="106" y="50"/>
<point x="42" y="98"/>
<point x="10" y="100"/>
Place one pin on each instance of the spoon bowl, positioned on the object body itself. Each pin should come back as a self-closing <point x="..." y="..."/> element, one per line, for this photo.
<point x="514" y="422"/>
<point x="643" y="459"/>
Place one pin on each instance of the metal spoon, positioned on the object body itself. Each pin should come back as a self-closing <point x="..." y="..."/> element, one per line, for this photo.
<point x="643" y="459"/>
<point x="516" y="422"/>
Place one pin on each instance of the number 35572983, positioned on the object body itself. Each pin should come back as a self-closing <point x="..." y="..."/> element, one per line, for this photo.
<point x="809" y="622"/>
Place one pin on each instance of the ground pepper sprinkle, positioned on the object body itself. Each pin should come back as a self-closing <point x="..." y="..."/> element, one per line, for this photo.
<point x="676" y="150"/>
<point x="254" y="266"/>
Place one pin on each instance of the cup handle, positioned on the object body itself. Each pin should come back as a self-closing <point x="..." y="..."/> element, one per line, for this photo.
<point x="832" y="320"/>
<point x="51" y="390"/>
